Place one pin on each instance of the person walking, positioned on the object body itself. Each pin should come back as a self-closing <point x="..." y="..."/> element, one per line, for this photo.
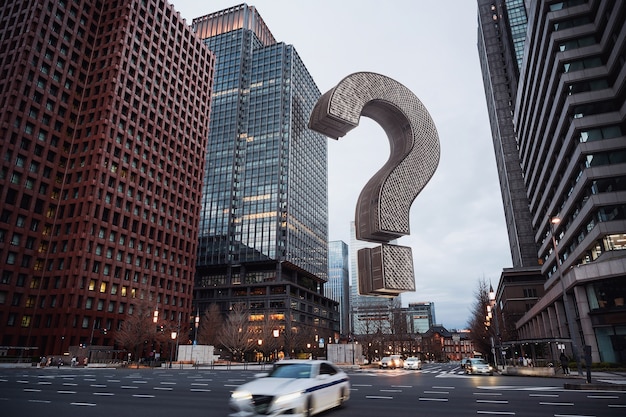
<point x="564" y="363"/>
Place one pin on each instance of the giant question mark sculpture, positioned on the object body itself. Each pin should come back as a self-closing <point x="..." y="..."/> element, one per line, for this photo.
<point x="382" y="212"/>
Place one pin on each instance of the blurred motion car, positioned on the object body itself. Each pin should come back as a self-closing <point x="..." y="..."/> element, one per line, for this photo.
<point x="293" y="386"/>
<point x="412" y="363"/>
<point x="478" y="366"/>
<point x="391" y="362"/>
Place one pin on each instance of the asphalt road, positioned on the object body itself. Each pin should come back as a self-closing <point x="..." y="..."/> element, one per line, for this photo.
<point x="437" y="390"/>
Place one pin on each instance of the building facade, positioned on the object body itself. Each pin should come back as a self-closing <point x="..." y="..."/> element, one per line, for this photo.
<point x="104" y="116"/>
<point x="568" y="118"/>
<point x="263" y="228"/>
<point x="338" y="286"/>
<point x="421" y="316"/>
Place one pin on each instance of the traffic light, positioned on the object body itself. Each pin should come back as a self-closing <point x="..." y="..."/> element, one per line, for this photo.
<point x="160" y="328"/>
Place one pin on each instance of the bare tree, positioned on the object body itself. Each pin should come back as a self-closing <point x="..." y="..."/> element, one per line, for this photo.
<point x="478" y="328"/>
<point x="236" y="334"/>
<point x="210" y="326"/>
<point x="270" y="335"/>
<point x="294" y="338"/>
<point x="138" y="328"/>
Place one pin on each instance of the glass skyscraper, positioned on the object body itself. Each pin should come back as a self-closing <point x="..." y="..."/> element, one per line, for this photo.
<point x="338" y="286"/>
<point x="264" y="222"/>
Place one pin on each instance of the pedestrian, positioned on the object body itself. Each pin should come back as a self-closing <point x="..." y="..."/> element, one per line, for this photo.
<point x="564" y="363"/>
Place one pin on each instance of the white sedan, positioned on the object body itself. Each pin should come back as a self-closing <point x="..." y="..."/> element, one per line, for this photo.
<point x="295" y="387"/>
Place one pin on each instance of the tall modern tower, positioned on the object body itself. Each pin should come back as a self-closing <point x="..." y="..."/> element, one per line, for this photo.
<point x="104" y="117"/>
<point x="338" y="286"/>
<point x="264" y="226"/>
<point x="501" y="34"/>
<point x="568" y="120"/>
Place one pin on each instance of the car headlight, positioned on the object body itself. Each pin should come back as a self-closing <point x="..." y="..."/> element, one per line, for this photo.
<point x="288" y="397"/>
<point x="241" y="395"/>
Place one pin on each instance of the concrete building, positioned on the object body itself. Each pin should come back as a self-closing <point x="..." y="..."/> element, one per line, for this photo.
<point x="104" y="117"/>
<point x="567" y="112"/>
<point x="264" y="220"/>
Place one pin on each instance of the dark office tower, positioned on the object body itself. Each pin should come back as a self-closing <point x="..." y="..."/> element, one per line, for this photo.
<point x="104" y="109"/>
<point x="501" y="34"/>
<point x="263" y="231"/>
<point x="569" y="118"/>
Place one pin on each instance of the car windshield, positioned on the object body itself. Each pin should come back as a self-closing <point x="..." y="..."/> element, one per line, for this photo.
<point x="479" y="362"/>
<point x="291" y="370"/>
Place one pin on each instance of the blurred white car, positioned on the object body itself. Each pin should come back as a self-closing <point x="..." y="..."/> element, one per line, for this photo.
<point x="294" y="387"/>
<point x="478" y="366"/>
<point x="391" y="362"/>
<point x="412" y="363"/>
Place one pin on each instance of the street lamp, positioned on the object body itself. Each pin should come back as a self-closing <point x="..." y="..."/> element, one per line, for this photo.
<point x="566" y="304"/>
<point x="174" y="334"/>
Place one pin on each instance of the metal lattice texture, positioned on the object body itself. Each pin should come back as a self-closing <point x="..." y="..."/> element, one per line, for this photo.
<point x="383" y="207"/>
<point x="385" y="270"/>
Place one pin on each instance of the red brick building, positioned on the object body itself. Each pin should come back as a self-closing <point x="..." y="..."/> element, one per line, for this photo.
<point x="104" y="115"/>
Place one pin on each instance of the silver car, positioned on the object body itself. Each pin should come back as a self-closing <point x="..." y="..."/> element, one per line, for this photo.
<point x="478" y="366"/>
<point x="302" y="387"/>
<point x="412" y="363"/>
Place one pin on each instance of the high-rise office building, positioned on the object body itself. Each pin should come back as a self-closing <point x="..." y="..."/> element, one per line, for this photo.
<point x="338" y="285"/>
<point x="568" y="119"/>
<point x="263" y="228"/>
<point x="104" y="116"/>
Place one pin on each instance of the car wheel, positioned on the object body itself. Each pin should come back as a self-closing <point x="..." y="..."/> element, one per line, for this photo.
<point x="308" y="411"/>
<point x="342" y="398"/>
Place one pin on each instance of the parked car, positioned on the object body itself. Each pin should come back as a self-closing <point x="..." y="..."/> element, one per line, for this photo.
<point x="478" y="366"/>
<point x="391" y="362"/>
<point x="412" y="363"/>
<point x="294" y="386"/>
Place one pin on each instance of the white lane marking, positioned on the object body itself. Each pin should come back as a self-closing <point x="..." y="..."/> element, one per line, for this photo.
<point x="143" y="395"/>
<point x="543" y="395"/>
<point x="559" y="404"/>
<point x="39" y="401"/>
<point x="611" y="397"/>
<point x="493" y="401"/>
<point x="439" y="387"/>
<point x="103" y="393"/>
<point x="199" y="390"/>
<point x="497" y="413"/>
<point x="128" y="387"/>
<point x="378" y="397"/>
<point x="163" y="388"/>
<point x="66" y="392"/>
<point x="31" y="390"/>
<point x="432" y="399"/>
<point x="84" y="404"/>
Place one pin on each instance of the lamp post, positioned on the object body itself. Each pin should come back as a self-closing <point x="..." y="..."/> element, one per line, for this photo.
<point x="491" y="314"/>
<point x="566" y="304"/>
<point x="275" y="333"/>
<point x="174" y="334"/>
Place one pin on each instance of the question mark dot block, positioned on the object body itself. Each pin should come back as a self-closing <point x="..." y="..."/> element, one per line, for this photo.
<point x="385" y="270"/>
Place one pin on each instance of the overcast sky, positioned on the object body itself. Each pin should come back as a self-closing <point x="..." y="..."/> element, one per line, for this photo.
<point x="458" y="233"/>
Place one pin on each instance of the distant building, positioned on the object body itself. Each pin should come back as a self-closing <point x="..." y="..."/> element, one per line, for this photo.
<point x="338" y="286"/>
<point x="420" y="316"/>
<point x="441" y="345"/>
<point x="104" y="110"/>
<point x="367" y="312"/>
<point x="264" y="220"/>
